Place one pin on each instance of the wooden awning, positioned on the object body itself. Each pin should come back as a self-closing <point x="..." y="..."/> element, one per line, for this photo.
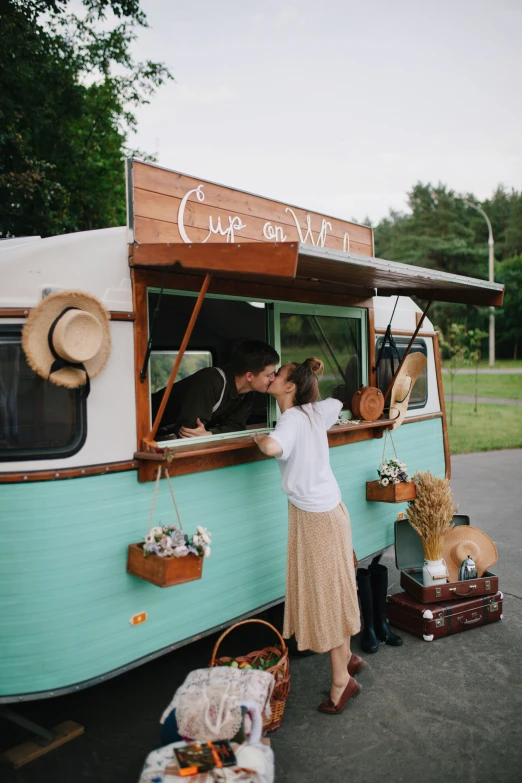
<point x="357" y="274"/>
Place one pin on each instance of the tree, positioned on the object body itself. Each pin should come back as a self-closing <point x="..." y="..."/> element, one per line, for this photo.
<point x="457" y="349"/>
<point x="67" y="92"/>
<point x="509" y="318"/>
<point x="475" y="339"/>
<point x="441" y="232"/>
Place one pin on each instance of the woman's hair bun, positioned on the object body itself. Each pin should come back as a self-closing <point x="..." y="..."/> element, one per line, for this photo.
<point x="314" y="364"/>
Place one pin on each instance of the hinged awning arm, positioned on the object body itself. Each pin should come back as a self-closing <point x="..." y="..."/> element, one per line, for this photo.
<point x="149" y="440"/>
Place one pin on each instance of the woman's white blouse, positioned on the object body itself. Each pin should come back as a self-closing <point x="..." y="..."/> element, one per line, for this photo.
<point x="307" y="477"/>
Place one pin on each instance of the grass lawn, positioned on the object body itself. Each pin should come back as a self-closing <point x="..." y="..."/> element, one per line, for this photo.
<point x="492" y="427"/>
<point x="507" y="386"/>
<point x="500" y="364"/>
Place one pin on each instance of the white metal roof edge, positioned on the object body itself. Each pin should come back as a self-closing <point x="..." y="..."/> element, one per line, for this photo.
<point x="407" y="270"/>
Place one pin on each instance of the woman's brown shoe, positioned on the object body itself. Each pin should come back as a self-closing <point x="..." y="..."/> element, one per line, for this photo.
<point x="355" y="665"/>
<point x="352" y="689"/>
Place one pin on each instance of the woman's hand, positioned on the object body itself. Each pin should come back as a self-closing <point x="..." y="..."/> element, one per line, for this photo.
<point x="268" y="445"/>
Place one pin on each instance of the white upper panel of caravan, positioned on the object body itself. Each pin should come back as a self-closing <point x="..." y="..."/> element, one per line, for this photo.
<point x="94" y="261"/>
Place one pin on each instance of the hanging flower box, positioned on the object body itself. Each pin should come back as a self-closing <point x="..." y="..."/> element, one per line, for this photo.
<point x="393" y="493"/>
<point x="169" y="556"/>
<point x="163" y="571"/>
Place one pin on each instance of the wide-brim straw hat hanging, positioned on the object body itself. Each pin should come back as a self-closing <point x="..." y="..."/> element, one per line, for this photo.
<point x="66" y="338"/>
<point x="465" y="541"/>
<point x="414" y="365"/>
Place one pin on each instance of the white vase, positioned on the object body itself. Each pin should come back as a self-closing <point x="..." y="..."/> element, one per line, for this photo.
<point x="434" y="572"/>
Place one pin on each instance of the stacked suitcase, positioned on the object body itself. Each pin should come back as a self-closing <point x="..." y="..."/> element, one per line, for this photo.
<point x="436" y="611"/>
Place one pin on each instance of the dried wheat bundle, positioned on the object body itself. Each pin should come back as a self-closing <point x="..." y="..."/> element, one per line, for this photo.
<point x="431" y="513"/>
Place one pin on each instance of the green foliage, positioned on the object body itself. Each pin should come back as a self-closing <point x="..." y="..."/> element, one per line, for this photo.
<point x="67" y="94"/>
<point x="509" y="317"/>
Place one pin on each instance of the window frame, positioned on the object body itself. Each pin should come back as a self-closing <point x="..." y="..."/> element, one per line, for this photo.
<point x="29" y="455"/>
<point x="296" y="308"/>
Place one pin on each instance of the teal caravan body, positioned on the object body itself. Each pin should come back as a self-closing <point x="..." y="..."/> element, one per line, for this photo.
<point x="77" y="476"/>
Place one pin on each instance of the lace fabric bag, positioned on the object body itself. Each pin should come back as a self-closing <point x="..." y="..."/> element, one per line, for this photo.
<point x="208" y="704"/>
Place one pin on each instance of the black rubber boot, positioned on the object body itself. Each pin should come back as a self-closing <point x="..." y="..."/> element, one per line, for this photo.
<point x="379" y="581"/>
<point x="369" y="642"/>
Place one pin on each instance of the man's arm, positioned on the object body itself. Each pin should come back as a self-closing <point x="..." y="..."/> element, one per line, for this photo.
<point x="236" y="420"/>
<point x="200" y="392"/>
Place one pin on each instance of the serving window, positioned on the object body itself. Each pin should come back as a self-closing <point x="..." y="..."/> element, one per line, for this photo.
<point x="38" y="420"/>
<point x="335" y="335"/>
<point x="221" y="324"/>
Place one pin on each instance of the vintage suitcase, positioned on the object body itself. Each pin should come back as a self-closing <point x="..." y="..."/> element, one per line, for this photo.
<point x="409" y="558"/>
<point x="432" y="621"/>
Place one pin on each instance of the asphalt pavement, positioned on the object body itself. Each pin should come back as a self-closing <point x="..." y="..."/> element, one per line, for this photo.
<point x="431" y="711"/>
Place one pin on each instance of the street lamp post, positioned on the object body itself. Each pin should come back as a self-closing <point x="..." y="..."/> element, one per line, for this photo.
<point x="491" y="280"/>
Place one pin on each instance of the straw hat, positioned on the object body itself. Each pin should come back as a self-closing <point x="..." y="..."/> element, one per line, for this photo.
<point x="66" y="338"/>
<point x="465" y="541"/>
<point x="414" y="365"/>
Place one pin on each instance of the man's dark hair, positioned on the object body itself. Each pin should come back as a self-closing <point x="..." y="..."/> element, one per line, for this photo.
<point x="252" y="356"/>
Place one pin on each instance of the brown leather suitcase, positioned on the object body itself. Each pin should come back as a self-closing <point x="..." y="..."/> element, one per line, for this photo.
<point x="433" y="621"/>
<point x="409" y="558"/>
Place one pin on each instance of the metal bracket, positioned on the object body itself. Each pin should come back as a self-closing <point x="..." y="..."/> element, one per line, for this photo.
<point x="439" y="622"/>
<point x="487" y="585"/>
<point x="438" y="592"/>
<point x="493" y="606"/>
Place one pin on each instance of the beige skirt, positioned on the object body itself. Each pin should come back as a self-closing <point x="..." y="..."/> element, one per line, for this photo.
<point x="321" y="596"/>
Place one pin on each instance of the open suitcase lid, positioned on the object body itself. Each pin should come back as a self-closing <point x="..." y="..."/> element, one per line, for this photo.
<point x="409" y="554"/>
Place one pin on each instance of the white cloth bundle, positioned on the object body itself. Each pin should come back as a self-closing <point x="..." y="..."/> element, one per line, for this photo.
<point x="208" y="704"/>
<point x="255" y="764"/>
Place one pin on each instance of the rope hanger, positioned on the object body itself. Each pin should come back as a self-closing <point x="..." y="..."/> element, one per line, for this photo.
<point x="156" y="494"/>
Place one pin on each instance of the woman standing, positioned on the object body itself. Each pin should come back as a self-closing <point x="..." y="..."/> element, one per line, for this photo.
<point x="321" y="599"/>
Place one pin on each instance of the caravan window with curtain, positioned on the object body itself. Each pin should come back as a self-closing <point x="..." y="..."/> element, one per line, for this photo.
<point x="38" y="420"/>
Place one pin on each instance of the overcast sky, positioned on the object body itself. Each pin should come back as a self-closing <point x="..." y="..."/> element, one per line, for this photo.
<point x="338" y="106"/>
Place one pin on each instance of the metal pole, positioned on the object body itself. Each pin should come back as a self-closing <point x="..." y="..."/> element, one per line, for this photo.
<point x="491" y="245"/>
<point x="491" y="309"/>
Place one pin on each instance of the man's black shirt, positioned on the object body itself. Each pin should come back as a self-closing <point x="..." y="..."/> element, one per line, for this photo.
<point x="194" y="398"/>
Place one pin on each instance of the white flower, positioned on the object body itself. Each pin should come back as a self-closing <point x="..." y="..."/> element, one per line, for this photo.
<point x="181" y="551"/>
<point x="205" y="538"/>
<point x="408" y="480"/>
<point x="207" y="551"/>
<point x="156" y="531"/>
<point x="166" y="542"/>
<point x="385" y="482"/>
<point x="149" y="539"/>
<point x="396" y="481"/>
<point x="196" y="540"/>
<point x="200" y="529"/>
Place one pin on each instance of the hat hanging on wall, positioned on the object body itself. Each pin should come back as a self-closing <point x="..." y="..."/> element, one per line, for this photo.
<point x="464" y="541"/>
<point x="414" y="365"/>
<point x="66" y="338"/>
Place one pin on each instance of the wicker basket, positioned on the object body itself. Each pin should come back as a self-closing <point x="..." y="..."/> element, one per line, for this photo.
<point x="280" y="671"/>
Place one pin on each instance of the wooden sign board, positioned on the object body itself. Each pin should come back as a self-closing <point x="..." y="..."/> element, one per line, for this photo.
<point x="166" y="206"/>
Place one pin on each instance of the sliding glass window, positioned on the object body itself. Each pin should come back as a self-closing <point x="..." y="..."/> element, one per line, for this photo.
<point x="336" y="335"/>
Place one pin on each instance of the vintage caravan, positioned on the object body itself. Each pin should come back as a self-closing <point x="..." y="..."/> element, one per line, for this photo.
<point x="198" y="268"/>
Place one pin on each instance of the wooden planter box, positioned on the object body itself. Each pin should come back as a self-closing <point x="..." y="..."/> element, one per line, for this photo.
<point x="393" y="493"/>
<point x="163" y="571"/>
